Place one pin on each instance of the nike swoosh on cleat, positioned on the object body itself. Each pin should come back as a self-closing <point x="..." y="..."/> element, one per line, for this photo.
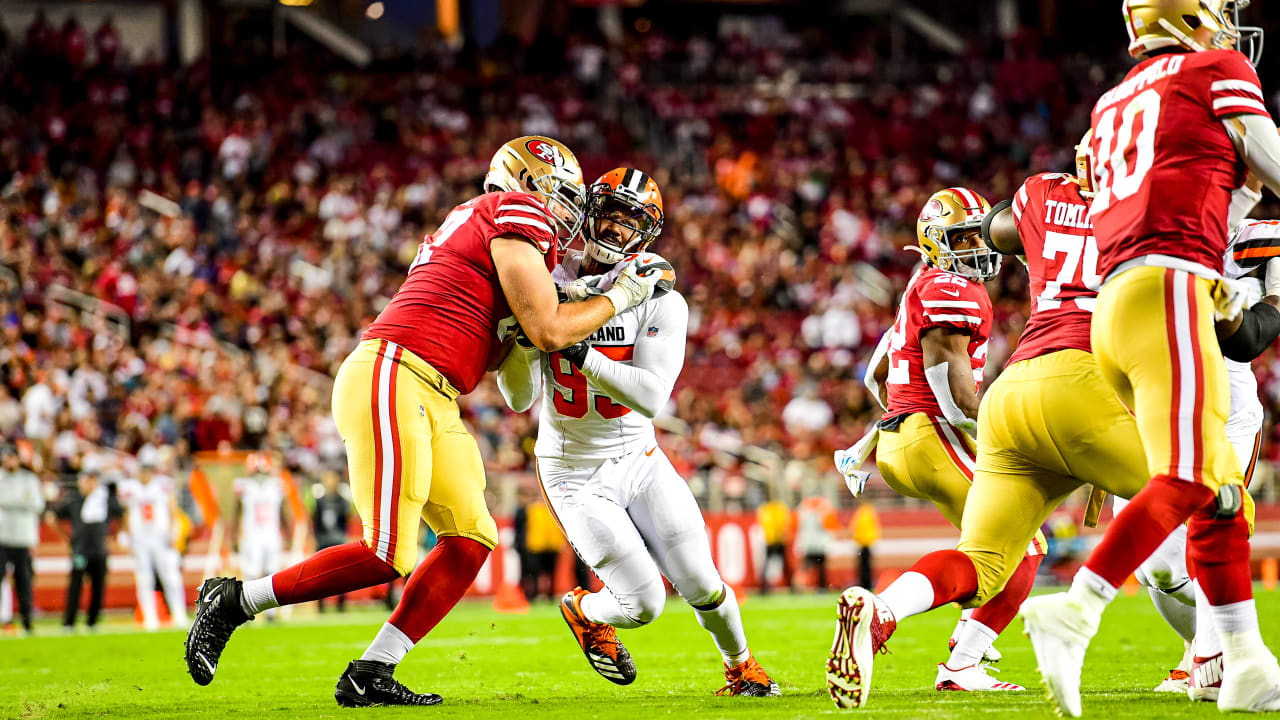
<point x="354" y="684"/>
<point x="211" y="598"/>
<point x="210" y="668"/>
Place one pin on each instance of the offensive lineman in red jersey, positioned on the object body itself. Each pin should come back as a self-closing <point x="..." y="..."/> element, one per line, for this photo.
<point x="486" y="269"/>
<point x="1170" y="144"/>
<point x="937" y="351"/>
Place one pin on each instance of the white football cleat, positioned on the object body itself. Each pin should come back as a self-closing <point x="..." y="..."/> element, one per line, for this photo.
<point x="863" y="624"/>
<point x="1177" y="682"/>
<point x="1060" y="631"/>
<point x="970" y="679"/>
<point x="1206" y="678"/>
<point x="1250" y="685"/>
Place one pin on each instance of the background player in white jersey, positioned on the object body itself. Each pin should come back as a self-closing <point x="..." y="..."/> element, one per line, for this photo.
<point x="150" y="510"/>
<point x="260" y="519"/>
<point x="621" y="504"/>
<point x="1251" y="245"/>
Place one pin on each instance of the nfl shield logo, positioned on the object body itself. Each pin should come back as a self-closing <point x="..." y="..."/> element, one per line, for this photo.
<point x="653" y="331"/>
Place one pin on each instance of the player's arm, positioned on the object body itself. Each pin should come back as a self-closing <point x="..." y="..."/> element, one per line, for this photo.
<point x="549" y="324"/>
<point x="645" y="385"/>
<point x="1243" y="200"/>
<point x="1258" y="144"/>
<point x="878" y="371"/>
<point x="1000" y="229"/>
<point x="237" y="516"/>
<point x="950" y="375"/>
<point x="1257" y="327"/>
<point x="520" y="376"/>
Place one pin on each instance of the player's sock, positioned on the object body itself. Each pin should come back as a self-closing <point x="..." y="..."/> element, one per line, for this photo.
<point x="959" y="629"/>
<point x="1182" y="618"/>
<point x="388" y="646"/>
<point x="438" y="584"/>
<point x="724" y="621"/>
<point x="332" y="571"/>
<point x="1143" y="525"/>
<point x="972" y="644"/>
<point x="1219" y="552"/>
<point x="1001" y="609"/>
<point x="936" y="579"/>
<point x="1208" y="643"/>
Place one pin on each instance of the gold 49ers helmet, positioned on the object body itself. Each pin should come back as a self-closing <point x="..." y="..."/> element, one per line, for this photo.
<point x="947" y="217"/>
<point x="546" y="169"/>
<point x="1193" y="24"/>
<point x="1084" y="164"/>
<point x="624" y="215"/>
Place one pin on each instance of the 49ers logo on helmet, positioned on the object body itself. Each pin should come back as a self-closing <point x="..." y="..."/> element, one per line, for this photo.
<point x="932" y="210"/>
<point x="546" y="152"/>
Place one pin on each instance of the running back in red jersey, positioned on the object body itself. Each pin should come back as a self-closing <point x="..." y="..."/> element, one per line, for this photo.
<point x="1164" y="164"/>
<point x="934" y="298"/>
<point x="1062" y="262"/>
<point x="451" y="310"/>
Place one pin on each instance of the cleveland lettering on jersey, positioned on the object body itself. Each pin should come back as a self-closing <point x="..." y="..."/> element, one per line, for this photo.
<point x="609" y="333"/>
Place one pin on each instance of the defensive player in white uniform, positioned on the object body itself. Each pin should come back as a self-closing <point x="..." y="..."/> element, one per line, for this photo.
<point x="262" y="517"/>
<point x="150" y="510"/>
<point x="1173" y="591"/>
<point x="624" y="508"/>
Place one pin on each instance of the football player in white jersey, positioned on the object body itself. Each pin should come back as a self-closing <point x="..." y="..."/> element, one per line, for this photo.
<point x="150" y="512"/>
<point x="624" y="508"/>
<point x="1252" y="245"/>
<point x="260" y="519"/>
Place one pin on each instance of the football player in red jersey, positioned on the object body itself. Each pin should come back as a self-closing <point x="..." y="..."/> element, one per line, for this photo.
<point x="1170" y="144"/>
<point x="935" y="357"/>
<point x="485" y="269"/>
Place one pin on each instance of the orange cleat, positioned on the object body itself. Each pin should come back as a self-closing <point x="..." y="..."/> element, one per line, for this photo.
<point x="599" y="642"/>
<point x="748" y="679"/>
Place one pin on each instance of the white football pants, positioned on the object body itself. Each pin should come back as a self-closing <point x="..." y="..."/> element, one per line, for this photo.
<point x="153" y="557"/>
<point x="634" y="520"/>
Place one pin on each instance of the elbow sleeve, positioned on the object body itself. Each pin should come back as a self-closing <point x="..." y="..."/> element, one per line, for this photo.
<point x="1258" y="329"/>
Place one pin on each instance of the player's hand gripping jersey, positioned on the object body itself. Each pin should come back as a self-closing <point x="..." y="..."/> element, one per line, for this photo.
<point x="1062" y="264"/>
<point x="451" y="310"/>
<point x="934" y="298"/>
<point x="1165" y="165"/>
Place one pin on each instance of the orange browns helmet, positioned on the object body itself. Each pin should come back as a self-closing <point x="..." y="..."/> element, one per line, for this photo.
<point x="1084" y="164"/>
<point x="630" y="200"/>
<point x="1193" y="24"/>
<point x="546" y="169"/>
<point x="945" y="217"/>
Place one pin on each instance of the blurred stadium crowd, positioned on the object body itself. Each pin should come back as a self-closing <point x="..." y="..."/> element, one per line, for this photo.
<point x="286" y="203"/>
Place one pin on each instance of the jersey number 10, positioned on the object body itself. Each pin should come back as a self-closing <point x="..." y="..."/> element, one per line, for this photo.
<point x="1121" y="159"/>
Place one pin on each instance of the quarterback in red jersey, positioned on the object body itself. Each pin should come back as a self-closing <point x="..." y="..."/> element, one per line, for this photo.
<point x="936" y="353"/>
<point x="484" y="271"/>
<point x="1170" y="144"/>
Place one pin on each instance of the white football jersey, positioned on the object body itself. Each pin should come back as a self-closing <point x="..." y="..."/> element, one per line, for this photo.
<point x="639" y="353"/>
<point x="1246" y="410"/>
<point x="149" y="507"/>
<point x="261" y="498"/>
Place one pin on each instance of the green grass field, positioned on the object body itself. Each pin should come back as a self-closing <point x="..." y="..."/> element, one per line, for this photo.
<point x="526" y="666"/>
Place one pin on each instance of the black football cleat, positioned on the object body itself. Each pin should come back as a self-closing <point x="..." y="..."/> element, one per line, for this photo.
<point x="368" y="683"/>
<point x="218" y="614"/>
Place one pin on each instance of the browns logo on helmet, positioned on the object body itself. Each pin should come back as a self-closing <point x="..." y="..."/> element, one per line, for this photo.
<point x="624" y="215"/>
<point x="948" y="218"/>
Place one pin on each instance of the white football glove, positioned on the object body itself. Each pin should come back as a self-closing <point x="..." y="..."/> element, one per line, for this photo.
<point x="1271" y="285"/>
<point x="1229" y="301"/>
<point x="583" y="288"/>
<point x="631" y="288"/>
<point x="855" y="479"/>
<point x="848" y="461"/>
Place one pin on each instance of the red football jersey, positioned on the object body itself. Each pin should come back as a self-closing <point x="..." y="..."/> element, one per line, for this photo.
<point x="451" y="310"/>
<point x="934" y="298"/>
<point x="1062" y="262"/>
<point x="1164" y="165"/>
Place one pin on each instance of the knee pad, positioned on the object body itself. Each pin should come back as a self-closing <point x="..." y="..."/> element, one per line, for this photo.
<point x="994" y="570"/>
<point x="644" y="606"/>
